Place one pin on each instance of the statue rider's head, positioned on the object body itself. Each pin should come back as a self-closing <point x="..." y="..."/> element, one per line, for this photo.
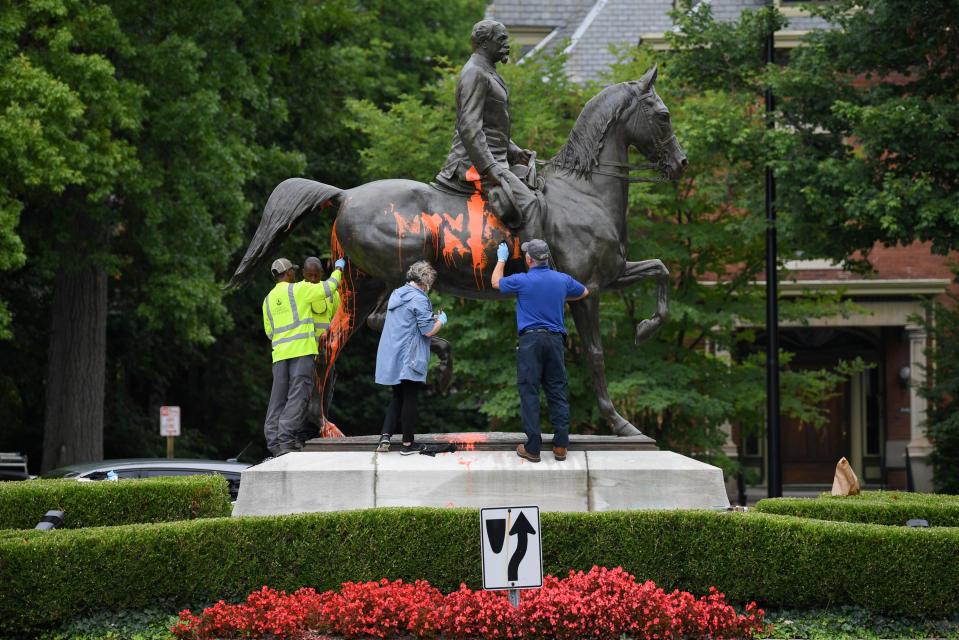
<point x="489" y="38"/>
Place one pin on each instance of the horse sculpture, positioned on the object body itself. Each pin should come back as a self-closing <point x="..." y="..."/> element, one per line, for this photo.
<point x="385" y="226"/>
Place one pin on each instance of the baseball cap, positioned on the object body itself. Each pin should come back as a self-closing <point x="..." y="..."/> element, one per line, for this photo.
<point x="282" y="265"/>
<point x="536" y="248"/>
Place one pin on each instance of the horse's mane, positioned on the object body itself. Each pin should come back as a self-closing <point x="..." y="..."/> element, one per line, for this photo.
<point x="580" y="154"/>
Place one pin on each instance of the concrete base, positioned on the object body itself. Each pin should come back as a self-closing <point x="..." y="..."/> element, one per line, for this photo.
<point x="586" y="481"/>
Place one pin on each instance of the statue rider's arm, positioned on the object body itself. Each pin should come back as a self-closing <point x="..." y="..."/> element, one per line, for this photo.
<point x="470" y="104"/>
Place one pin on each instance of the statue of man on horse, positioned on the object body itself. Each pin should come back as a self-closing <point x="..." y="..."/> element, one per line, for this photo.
<point x="387" y="225"/>
<point x="482" y="150"/>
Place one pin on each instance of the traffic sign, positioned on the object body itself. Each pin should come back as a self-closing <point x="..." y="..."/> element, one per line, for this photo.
<point x="511" y="547"/>
<point x="169" y="421"/>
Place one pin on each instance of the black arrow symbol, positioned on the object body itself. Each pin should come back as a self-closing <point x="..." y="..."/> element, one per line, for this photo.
<point x="523" y="529"/>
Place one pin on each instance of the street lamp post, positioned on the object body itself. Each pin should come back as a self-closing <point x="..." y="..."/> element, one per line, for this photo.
<point x="773" y="453"/>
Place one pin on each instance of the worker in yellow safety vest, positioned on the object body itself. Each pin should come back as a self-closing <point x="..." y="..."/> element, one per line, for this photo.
<point x="323" y="313"/>
<point x="288" y="323"/>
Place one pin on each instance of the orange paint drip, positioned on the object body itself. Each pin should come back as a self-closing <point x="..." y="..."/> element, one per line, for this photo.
<point x="476" y="210"/>
<point x="341" y="325"/>
<point x="469" y="477"/>
<point x="403" y="227"/>
<point x="431" y="225"/>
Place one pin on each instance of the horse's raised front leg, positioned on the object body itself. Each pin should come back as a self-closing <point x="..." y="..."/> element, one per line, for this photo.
<point x="586" y="316"/>
<point x="636" y="271"/>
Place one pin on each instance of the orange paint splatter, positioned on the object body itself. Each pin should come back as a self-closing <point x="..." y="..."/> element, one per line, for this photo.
<point x="468" y="441"/>
<point x="431" y="223"/>
<point x="469" y="478"/>
<point x="403" y="227"/>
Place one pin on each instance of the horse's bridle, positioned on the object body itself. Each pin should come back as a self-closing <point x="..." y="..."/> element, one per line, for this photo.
<point x="614" y="168"/>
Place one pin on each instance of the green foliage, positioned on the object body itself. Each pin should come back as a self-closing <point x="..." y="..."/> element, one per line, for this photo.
<point x="841" y="623"/>
<point x="162" y="132"/>
<point x="865" y="143"/>
<point x="129" y="501"/>
<point x="890" y="508"/>
<point x="776" y="560"/>
<point x="942" y="419"/>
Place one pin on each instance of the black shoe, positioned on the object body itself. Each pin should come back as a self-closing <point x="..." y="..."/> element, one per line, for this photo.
<point x="384" y="444"/>
<point x="410" y="449"/>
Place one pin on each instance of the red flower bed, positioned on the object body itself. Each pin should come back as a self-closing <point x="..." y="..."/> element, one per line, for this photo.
<point x="601" y="604"/>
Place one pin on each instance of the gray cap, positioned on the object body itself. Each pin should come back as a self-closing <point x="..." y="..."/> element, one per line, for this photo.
<point x="281" y="266"/>
<point x="536" y="248"/>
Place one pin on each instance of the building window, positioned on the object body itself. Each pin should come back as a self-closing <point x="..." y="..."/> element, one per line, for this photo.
<point x="526" y="38"/>
<point x="794" y="8"/>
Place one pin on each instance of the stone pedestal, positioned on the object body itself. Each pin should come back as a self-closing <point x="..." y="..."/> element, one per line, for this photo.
<point x="592" y="478"/>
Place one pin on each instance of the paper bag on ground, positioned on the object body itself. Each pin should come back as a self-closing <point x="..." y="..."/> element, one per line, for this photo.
<point x="845" y="482"/>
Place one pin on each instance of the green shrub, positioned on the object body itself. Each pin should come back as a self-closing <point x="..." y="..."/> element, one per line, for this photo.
<point x="871" y="507"/>
<point x="775" y="560"/>
<point x="133" y="501"/>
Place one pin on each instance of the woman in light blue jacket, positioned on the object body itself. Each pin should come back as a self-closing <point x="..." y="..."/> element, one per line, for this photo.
<point x="403" y="354"/>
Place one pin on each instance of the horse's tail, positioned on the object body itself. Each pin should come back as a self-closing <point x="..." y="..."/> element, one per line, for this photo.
<point x="290" y="201"/>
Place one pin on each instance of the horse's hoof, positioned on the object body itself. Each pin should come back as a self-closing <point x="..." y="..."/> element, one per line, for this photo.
<point x="624" y="429"/>
<point x="644" y="331"/>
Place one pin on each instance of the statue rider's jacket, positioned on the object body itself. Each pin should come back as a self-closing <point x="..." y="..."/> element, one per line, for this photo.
<point x="288" y="318"/>
<point x="482" y="135"/>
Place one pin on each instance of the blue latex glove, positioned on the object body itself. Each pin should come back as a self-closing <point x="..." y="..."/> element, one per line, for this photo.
<point x="442" y="317"/>
<point x="339" y="264"/>
<point x="502" y="252"/>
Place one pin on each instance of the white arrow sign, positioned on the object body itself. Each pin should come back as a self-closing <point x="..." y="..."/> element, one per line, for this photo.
<point x="512" y="549"/>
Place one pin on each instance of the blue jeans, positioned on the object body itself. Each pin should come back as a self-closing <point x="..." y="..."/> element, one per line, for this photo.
<point x="539" y="362"/>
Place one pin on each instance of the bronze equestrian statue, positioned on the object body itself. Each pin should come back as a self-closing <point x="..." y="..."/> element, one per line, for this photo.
<point x="385" y="226"/>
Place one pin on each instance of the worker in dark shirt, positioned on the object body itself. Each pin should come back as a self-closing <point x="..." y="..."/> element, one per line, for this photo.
<point x="541" y="294"/>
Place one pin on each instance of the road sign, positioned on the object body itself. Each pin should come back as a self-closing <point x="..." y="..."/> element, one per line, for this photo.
<point x="512" y="551"/>
<point x="169" y="421"/>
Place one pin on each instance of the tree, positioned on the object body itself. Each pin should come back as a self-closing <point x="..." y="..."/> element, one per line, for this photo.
<point x="159" y="145"/>
<point x="162" y="133"/>
<point x="942" y="419"/>
<point x="873" y="107"/>
<point x="866" y="121"/>
<point x="65" y="118"/>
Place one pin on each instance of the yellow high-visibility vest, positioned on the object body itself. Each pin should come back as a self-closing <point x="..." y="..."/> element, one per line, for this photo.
<point x="288" y="316"/>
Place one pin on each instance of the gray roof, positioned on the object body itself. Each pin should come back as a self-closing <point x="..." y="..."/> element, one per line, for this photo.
<point x="588" y="27"/>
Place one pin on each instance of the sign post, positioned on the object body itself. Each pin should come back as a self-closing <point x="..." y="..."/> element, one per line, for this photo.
<point x="512" y="549"/>
<point x="169" y="426"/>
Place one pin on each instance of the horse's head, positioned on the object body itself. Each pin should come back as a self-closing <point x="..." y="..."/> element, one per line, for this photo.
<point x="631" y="114"/>
<point x="650" y="129"/>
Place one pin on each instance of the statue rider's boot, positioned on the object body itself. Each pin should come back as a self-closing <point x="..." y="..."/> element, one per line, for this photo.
<point x="503" y="209"/>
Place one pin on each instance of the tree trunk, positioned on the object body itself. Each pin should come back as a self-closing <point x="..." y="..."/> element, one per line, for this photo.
<point x="76" y="368"/>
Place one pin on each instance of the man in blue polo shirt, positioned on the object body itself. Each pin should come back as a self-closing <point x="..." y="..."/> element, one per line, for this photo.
<point x="541" y="294"/>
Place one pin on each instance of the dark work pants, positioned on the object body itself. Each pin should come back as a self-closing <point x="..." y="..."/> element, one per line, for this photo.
<point x="286" y="413"/>
<point x="539" y="362"/>
<point x="402" y="409"/>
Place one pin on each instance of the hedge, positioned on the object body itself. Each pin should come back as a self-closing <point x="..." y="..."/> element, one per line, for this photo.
<point x="775" y="560"/>
<point x="872" y="507"/>
<point x="131" y="501"/>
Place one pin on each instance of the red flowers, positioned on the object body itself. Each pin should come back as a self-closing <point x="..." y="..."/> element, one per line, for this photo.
<point x="601" y="604"/>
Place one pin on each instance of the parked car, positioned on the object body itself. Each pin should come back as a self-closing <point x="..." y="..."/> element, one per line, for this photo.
<point x="13" y="466"/>
<point x="153" y="467"/>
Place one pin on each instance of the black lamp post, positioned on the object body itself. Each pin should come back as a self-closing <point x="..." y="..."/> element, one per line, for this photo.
<point x="774" y="479"/>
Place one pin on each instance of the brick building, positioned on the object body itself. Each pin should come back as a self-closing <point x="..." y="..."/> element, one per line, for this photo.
<point x="876" y="422"/>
